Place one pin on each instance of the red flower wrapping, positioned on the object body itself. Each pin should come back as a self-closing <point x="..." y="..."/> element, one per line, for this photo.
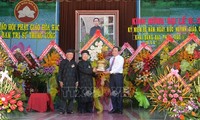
<point x="12" y="101"/>
<point x="17" y="96"/>
<point x="5" y="103"/>
<point x="12" y="92"/>
<point x="19" y="103"/>
<point x="8" y="97"/>
<point x="20" y="109"/>
<point x="13" y="107"/>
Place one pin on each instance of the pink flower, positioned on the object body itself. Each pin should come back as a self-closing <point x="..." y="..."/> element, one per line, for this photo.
<point x="170" y="82"/>
<point x="164" y="95"/>
<point x="171" y="96"/>
<point x="173" y="101"/>
<point x="161" y="91"/>
<point x="164" y="85"/>
<point x="173" y="91"/>
<point x="159" y="97"/>
<point x="180" y="98"/>
<point x="165" y="100"/>
<point x="176" y="86"/>
<point x="165" y="91"/>
<point x="169" y="87"/>
<point x="176" y="95"/>
<point x="179" y="91"/>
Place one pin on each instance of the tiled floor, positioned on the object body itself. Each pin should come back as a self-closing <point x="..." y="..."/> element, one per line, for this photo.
<point x="131" y="112"/>
<point x="128" y="114"/>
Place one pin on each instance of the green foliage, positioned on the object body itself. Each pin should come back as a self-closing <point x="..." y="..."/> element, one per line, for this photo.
<point x="197" y="64"/>
<point x="3" y="116"/>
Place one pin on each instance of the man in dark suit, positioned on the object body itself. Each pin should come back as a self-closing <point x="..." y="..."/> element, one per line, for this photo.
<point x="68" y="81"/>
<point x="96" y="27"/>
<point x="86" y="74"/>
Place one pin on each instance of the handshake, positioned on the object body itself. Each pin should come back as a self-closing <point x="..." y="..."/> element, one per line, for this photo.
<point x="94" y="70"/>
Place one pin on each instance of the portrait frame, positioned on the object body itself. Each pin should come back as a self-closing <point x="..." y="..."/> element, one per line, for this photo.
<point x="108" y="21"/>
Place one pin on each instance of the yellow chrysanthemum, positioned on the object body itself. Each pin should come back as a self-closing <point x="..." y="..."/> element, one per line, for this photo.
<point x="164" y="57"/>
<point x="104" y="48"/>
<point x="143" y="54"/>
<point x="182" y="104"/>
<point x="8" y="110"/>
<point x="1" y="62"/>
<point x="100" y="75"/>
<point x="126" y="67"/>
<point x="51" y="59"/>
<point x="100" y="56"/>
<point x="129" y="89"/>
<point x="3" y="57"/>
<point x="21" y="67"/>
<point x="1" y="102"/>
<point x="183" y="55"/>
<point x="190" y="58"/>
<point x="166" y="49"/>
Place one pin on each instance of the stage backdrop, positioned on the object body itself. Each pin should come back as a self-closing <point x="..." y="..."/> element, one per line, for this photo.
<point x="175" y="17"/>
<point x="36" y="29"/>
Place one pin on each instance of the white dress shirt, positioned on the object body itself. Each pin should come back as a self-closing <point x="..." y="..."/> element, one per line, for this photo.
<point x="118" y="64"/>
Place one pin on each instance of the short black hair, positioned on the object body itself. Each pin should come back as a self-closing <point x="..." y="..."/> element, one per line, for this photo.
<point x="70" y="51"/>
<point x="96" y="18"/>
<point x="85" y="51"/>
<point x="116" y="47"/>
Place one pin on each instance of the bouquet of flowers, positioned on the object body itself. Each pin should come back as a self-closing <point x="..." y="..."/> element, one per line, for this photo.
<point x="129" y="89"/>
<point x="189" y="109"/>
<point x="99" y="52"/>
<point x="9" y="95"/>
<point x="186" y="60"/>
<point x="49" y="70"/>
<point x="4" y="59"/>
<point x="140" y="74"/>
<point x="170" y="93"/>
<point x="186" y="109"/>
<point x="142" y="67"/>
<point x="174" y="93"/>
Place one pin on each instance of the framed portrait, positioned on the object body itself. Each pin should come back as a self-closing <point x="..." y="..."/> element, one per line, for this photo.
<point x="88" y="21"/>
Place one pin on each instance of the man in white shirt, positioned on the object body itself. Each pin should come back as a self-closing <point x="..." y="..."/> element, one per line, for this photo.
<point x="116" y="80"/>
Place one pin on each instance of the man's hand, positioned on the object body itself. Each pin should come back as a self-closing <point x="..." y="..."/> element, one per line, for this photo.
<point x="61" y="84"/>
<point x="94" y="69"/>
<point x="106" y="72"/>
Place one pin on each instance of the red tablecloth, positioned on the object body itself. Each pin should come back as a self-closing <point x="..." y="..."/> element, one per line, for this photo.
<point x="40" y="102"/>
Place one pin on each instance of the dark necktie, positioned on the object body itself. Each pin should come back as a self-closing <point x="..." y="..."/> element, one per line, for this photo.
<point x="112" y="63"/>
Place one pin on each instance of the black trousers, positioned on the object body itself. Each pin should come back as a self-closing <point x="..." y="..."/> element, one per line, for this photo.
<point x="116" y="86"/>
<point x="67" y="100"/>
<point x="86" y="107"/>
<point x="66" y="105"/>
